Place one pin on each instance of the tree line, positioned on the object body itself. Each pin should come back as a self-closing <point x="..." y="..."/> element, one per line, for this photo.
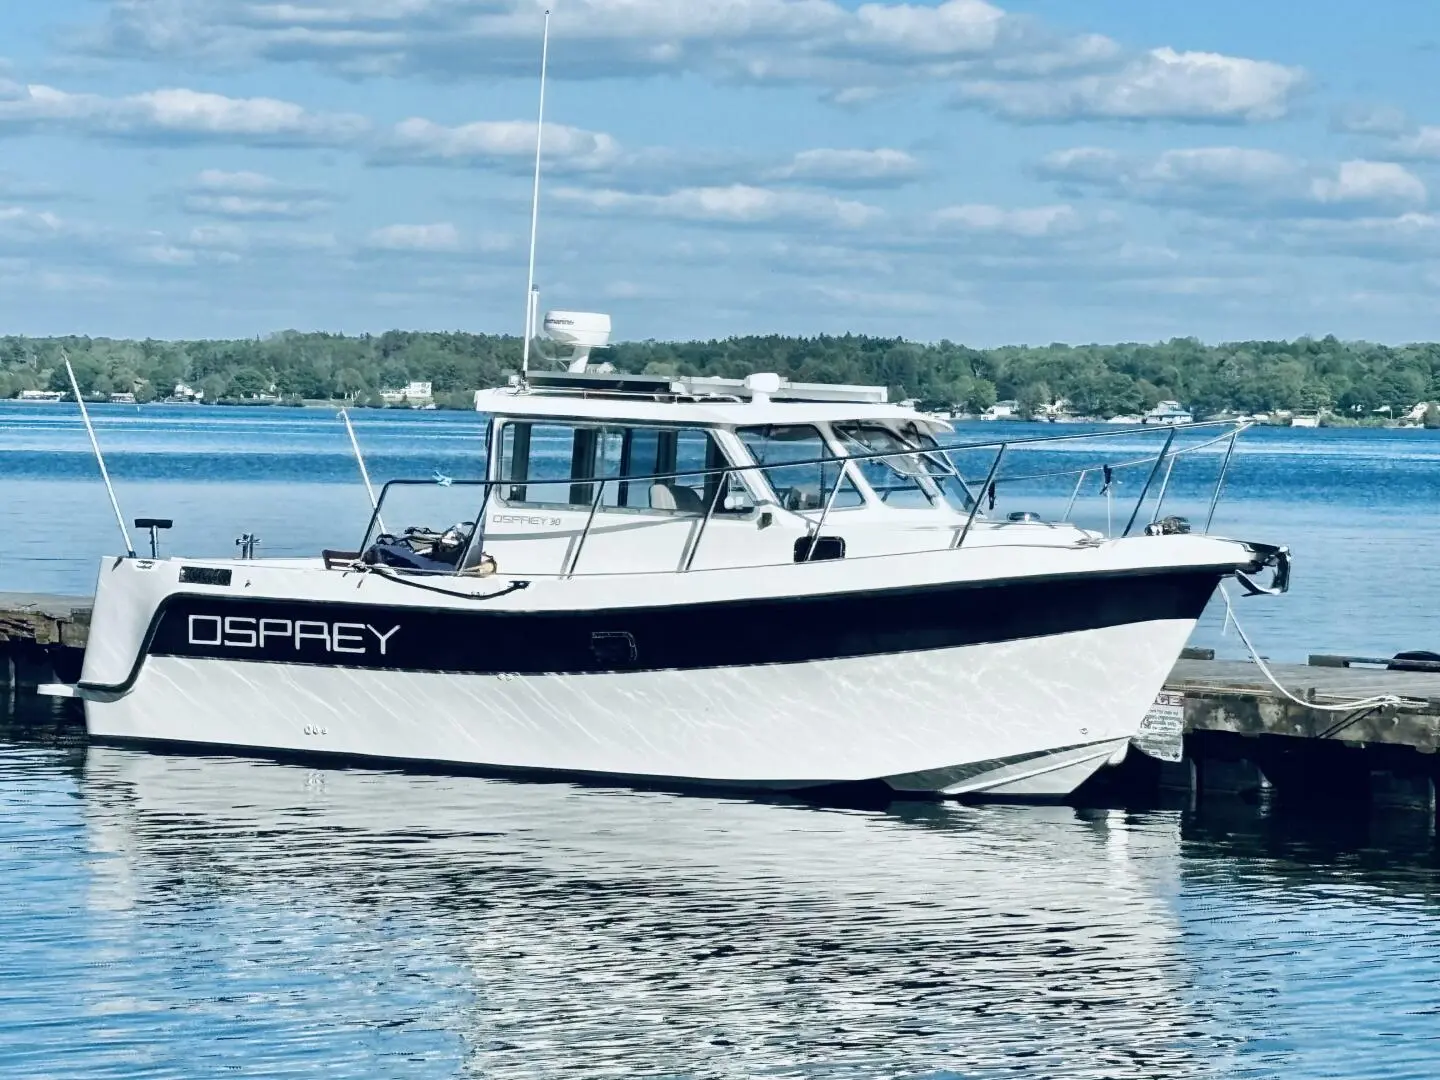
<point x="1306" y="375"/>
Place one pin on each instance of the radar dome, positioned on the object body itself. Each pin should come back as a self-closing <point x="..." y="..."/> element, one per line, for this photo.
<point x="581" y="330"/>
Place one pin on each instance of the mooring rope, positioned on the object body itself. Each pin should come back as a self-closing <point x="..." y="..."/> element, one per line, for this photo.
<point x="1377" y="701"/>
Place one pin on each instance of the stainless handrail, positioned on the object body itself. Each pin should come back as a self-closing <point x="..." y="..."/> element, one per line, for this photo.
<point x="840" y="479"/>
<point x="1164" y="487"/>
<point x="1076" y="493"/>
<point x="984" y="489"/>
<point x="589" y="523"/>
<point x="1133" y="463"/>
<point x="1154" y="472"/>
<point x="1220" y="481"/>
<point x="848" y="462"/>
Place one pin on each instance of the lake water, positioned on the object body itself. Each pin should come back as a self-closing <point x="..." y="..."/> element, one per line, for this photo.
<point x="202" y="916"/>
<point x="1360" y="508"/>
<point x="194" y="917"/>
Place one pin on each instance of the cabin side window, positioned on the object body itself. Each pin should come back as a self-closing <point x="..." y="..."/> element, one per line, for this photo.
<point x="782" y="448"/>
<point x="644" y="468"/>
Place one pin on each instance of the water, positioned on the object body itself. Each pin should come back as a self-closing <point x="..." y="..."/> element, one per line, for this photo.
<point x="193" y="917"/>
<point x="1359" y="507"/>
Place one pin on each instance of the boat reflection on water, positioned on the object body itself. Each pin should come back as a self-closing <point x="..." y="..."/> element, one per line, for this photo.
<point x="632" y="933"/>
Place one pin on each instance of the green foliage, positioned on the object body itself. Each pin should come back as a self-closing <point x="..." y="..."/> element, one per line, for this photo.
<point x="214" y="386"/>
<point x="248" y="382"/>
<point x="1354" y="379"/>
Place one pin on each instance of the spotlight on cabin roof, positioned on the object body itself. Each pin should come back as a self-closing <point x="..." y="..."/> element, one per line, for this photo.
<point x="762" y="384"/>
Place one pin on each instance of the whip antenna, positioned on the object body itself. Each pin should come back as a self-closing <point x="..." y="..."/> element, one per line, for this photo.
<point x="535" y="206"/>
<point x="99" y="457"/>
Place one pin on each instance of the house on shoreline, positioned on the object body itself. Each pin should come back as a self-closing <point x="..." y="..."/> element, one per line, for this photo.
<point x="416" y="395"/>
<point x="1168" y="412"/>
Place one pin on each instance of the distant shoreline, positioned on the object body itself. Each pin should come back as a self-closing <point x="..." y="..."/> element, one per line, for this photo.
<point x="1328" y="423"/>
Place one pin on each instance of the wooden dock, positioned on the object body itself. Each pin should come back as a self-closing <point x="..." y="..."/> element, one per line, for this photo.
<point x="1234" y="696"/>
<point x="40" y="635"/>
<point x="1242" y="737"/>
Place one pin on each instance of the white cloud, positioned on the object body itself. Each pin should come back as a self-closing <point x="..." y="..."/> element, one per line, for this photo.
<point x="734" y="204"/>
<point x="15" y="188"/>
<point x="163" y="254"/>
<point x="1412" y="236"/>
<point x="1239" y="180"/>
<point x="1161" y="85"/>
<point x="1370" y="120"/>
<point x="850" y="168"/>
<point x="904" y="301"/>
<point x="238" y="239"/>
<point x="748" y="39"/>
<point x="235" y="183"/>
<point x="832" y="260"/>
<point x="1422" y="144"/>
<point x="1371" y="182"/>
<point x="439" y="238"/>
<point x="1028" y="222"/>
<point x="251" y="195"/>
<point x="954" y="28"/>
<point x="220" y="245"/>
<point x="21" y="222"/>
<point x="1395" y="134"/>
<point x="171" y="115"/>
<point x="497" y="142"/>
<point x="1211" y="166"/>
<point x="1015" y="65"/>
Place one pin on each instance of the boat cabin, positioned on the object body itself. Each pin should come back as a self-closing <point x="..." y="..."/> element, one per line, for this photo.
<point x="622" y="473"/>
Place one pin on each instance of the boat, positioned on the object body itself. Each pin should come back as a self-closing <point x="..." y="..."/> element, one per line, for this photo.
<point x="735" y="583"/>
<point x="731" y="583"/>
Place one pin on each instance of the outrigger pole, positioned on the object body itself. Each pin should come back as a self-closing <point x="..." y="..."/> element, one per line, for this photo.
<point x="530" y="328"/>
<point x="364" y="472"/>
<point x="99" y="457"/>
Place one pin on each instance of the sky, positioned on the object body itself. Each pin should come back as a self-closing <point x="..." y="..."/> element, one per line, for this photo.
<point x="987" y="173"/>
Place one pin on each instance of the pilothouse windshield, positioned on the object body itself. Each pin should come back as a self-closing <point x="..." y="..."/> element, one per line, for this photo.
<point x="911" y="481"/>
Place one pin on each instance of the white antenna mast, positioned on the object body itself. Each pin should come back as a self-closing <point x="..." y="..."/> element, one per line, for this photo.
<point x="530" y="328"/>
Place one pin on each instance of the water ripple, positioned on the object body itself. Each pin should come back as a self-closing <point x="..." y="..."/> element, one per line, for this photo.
<point x="184" y="916"/>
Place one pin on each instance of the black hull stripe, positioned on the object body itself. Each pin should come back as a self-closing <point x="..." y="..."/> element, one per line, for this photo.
<point x="738" y="633"/>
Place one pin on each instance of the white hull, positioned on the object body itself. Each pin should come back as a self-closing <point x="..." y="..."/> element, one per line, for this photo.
<point x="1027" y="718"/>
<point x="998" y="671"/>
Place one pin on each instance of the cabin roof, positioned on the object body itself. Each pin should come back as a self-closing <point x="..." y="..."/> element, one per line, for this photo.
<point x="706" y="412"/>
